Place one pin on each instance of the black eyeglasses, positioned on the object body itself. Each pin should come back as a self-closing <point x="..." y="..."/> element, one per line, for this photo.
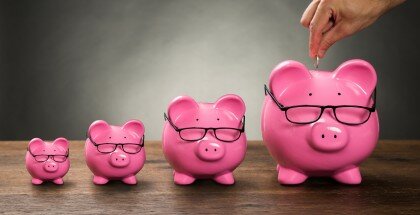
<point x="223" y="134"/>
<point x="43" y="157"/>
<point x="306" y="114"/>
<point x="130" y="148"/>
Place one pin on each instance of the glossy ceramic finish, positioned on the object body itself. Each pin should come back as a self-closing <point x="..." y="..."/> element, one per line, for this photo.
<point x="116" y="165"/>
<point x="48" y="170"/>
<point x="208" y="158"/>
<point x="325" y="147"/>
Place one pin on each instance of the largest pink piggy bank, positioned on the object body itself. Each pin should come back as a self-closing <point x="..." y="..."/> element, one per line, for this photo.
<point x="319" y="123"/>
<point x="115" y="152"/>
<point x="47" y="161"/>
<point x="205" y="140"/>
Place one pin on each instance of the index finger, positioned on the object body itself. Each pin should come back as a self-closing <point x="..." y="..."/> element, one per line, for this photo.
<point x="319" y="22"/>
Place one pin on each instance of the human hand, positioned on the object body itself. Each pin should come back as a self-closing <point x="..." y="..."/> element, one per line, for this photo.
<point x="332" y="20"/>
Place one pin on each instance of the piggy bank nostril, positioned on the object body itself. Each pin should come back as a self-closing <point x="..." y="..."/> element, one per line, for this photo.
<point x="210" y="151"/>
<point x="328" y="137"/>
<point x="119" y="160"/>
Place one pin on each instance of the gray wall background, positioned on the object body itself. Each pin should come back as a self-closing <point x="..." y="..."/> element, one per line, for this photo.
<point x="65" y="64"/>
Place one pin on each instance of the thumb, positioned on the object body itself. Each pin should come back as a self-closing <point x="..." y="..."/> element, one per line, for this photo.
<point x="330" y="37"/>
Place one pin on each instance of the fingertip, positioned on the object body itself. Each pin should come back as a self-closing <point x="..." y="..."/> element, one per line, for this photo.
<point x="304" y="22"/>
<point x="312" y="54"/>
<point x="321" y="53"/>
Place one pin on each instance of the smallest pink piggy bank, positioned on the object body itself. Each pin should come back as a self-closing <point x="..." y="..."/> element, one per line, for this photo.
<point x="115" y="152"/>
<point x="205" y="140"/>
<point x="47" y="161"/>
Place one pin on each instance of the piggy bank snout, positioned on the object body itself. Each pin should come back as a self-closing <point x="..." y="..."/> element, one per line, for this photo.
<point x="50" y="166"/>
<point x="328" y="137"/>
<point x="210" y="150"/>
<point x="119" y="159"/>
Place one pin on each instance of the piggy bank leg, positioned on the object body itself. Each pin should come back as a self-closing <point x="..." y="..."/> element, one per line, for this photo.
<point x="289" y="176"/>
<point x="349" y="176"/>
<point x="225" y="178"/>
<point x="182" y="179"/>
<point x="131" y="180"/>
<point x="58" y="181"/>
<point x="98" y="180"/>
<point x="36" y="181"/>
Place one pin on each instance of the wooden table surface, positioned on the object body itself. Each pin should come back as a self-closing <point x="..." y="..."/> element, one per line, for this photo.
<point x="391" y="184"/>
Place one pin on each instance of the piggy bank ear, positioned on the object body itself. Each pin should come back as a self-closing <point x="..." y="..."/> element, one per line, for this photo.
<point x="98" y="127"/>
<point x="181" y="104"/>
<point x="134" y="126"/>
<point x="287" y="73"/>
<point x="359" y="72"/>
<point x="232" y="103"/>
<point x="36" y="143"/>
<point x="61" y="142"/>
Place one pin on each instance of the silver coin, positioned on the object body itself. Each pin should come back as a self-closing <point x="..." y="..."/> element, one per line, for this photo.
<point x="316" y="62"/>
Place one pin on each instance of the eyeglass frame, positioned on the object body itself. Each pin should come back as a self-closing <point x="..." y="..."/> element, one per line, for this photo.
<point x="116" y="145"/>
<point x="48" y="156"/>
<point x="241" y="130"/>
<point x="322" y="107"/>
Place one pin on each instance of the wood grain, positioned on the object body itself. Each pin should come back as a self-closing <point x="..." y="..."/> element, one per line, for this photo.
<point x="391" y="185"/>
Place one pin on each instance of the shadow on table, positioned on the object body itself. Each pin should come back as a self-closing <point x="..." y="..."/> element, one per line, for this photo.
<point x="120" y="187"/>
<point x="49" y="186"/>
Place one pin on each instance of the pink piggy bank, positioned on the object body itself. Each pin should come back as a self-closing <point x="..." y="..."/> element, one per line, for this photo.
<point x="318" y="123"/>
<point x="205" y="140"/>
<point x="47" y="161"/>
<point x="115" y="152"/>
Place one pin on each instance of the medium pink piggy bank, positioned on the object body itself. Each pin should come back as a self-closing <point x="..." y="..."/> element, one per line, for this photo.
<point x="205" y="140"/>
<point x="115" y="152"/>
<point x="47" y="161"/>
<point x="318" y="123"/>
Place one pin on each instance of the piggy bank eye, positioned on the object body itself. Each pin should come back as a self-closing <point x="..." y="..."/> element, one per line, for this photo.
<point x="218" y="119"/>
<point x="310" y="94"/>
<point x="196" y="119"/>
<point x="109" y="137"/>
<point x="339" y="94"/>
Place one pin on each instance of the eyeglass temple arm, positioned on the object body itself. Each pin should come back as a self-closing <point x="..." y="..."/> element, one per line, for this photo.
<point x="142" y="141"/>
<point x="267" y="91"/>
<point x="170" y="121"/>
<point x="88" y="136"/>
<point x="374" y="100"/>
<point x="243" y="124"/>
<point x="29" y="151"/>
